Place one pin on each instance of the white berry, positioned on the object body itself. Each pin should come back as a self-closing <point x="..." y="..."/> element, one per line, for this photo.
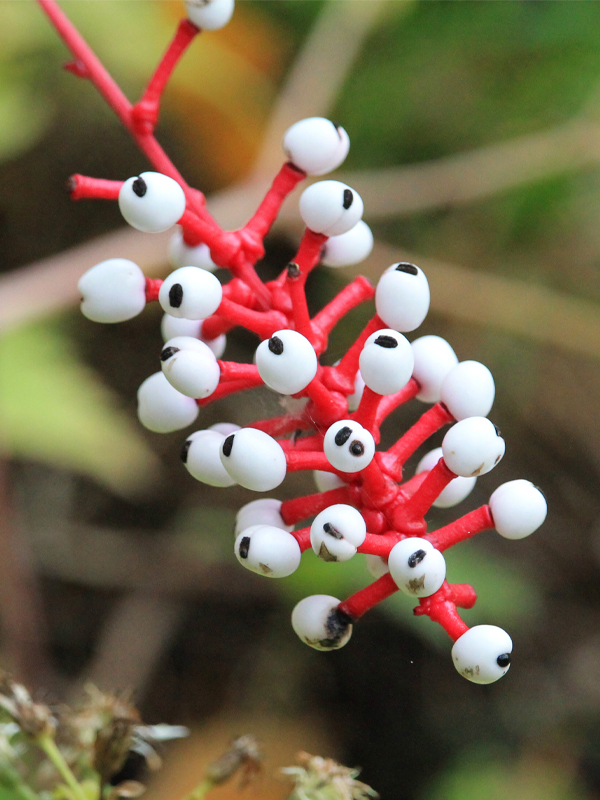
<point x="190" y="367"/>
<point x="182" y="255"/>
<point x="151" y="202"/>
<point x="170" y="327"/>
<point x="191" y="293"/>
<point x="386" y="361"/>
<point x="402" y="297"/>
<point x="458" y="488"/>
<point x="254" y="459"/>
<point x="161" y="408"/>
<point x="376" y="566"/>
<point x="330" y="207"/>
<point x="468" y="390"/>
<point x="348" y="446"/>
<point x="319" y="623"/>
<point x="265" y="511"/>
<point x="286" y="362"/>
<point x="201" y="455"/>
<point x="225" y="428"/>
<point x="482" y="654"/>
<point x="337" y="532"/>
<point x="112" y="291"/>
<point x="315" y="145"/>
<point x="268" y="551"/>
<point x="356" y="396"/>
<point x="326" y="481"/>
<point x="472" y="447"/>
<point x="518" y="509"/>
<point x="434" y="358"/>
<point x="348" y="248"/>
<point x="209" y="15"/>
<point x="418" y="569"/>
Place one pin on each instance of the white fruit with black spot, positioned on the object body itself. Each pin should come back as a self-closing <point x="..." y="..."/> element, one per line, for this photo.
<point x="286" y="362"/>
<point x="254" y="459"/>
<point x="326" y="481"/>
<point x="170" y="327"/>
<point x="268" y="551"/>
<point x="337" y="532"/>
<point x="209" y="15"/>
<point x="330" y="207"/>
<point x="201" y="455"/>
<point x="225" y="427"/>
<point x="318" y="621"/>
<point x="151" y="202"/>
<point x="348" y="248"/>
<point x="418" y="569"/>
<point x="483" y="654"/>
<point x="315" y="145"/>
<point x="386" y="361"/>
<point x="163" y="409"/>
<point x="458" y="488"/>
<point x="402" y="297"/>
<point x="518" y="509"/>
<point x="112" y="291"/>
<point x="434" y="358"/>
<point x="468" y="390"/>
<point x="182" y="255"/>
<point x="265" y="511"/>
<point x="473" y="447"/>
<point x="348" y="446"/>
<point x="190" y="367"/>
<point x="190" y="293"/>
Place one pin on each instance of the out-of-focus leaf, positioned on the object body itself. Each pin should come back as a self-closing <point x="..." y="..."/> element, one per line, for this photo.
<point x="54" y="409"/>
<point x="23" y="118"/>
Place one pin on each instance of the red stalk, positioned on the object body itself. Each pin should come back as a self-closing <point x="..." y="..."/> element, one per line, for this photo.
<point x="472" y="523"/>
<point x="292" y="511"/>
<point x="370" y="596"/>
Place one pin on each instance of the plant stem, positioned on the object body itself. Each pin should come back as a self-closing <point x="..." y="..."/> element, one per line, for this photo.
<point x="11" y="778"/>
<point x="48" y="745"/>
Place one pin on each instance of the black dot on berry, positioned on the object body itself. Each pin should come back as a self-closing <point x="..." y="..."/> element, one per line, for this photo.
<point x="332" y="531"/>
<point x="244" y="546"/>
<point x="176" y="295"/>
<point x="343" y="435"/>
<point x="140" y="187"/>
<point x="168" y="352"/>
<point x="404" y="266"/>
<point x="348" y="198"/>
<point x="184" y="450"/>
<point x="276" y="345"/>
<point x="357" y="448"/>
<point x="228" y="444"/>
<point x="386" y="341"/>
<point x="503" y="660"/>
<point x="416" y="558"/>
<point x="293" y="270"/>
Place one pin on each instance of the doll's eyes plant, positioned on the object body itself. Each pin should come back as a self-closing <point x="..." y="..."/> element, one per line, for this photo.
<point x="364" y="503"/>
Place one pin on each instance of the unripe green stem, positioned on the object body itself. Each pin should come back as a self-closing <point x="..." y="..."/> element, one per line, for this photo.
<point x="48" y="745"/>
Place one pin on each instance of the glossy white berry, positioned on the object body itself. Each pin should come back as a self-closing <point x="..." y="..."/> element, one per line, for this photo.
<point x="209" y="15"/>
<point x="348" y="446"/>
<point x="225" y="428"/>
<point x="170" y="327"/>
<point x="518" y="509"/>
<point x="386" y="361"/>
<point x="482" y="654"/>
<point x="315" y="145"/>
<point x="201" y="456"/>
<point x="418" y="569"/>
<point x="458" y="488"/>
<point x="254" y="459"/>
<point x="266" y="511"/>
<point x="468" y="390"/>
<point x="348" y="248"/>
<point x="182" y="255"/>
<point x="191" y="293"/>
<point x="151" y="202"/>
<point x="286" y="362"/>
<point x="376" y="566"/>
<point x="161" y="408"/>
<point x="337" y="532"/>
<point x="190" y="367"/>
<point x="112" y="291"/>
<point x="268" y="551"/>
<point x="356" y="396"/>
<point x="402" y="297"/>
<point x="326" y="481"/>
<point x="434" y="358"/>
<point x="472" y="447"/>
<point x="330" y="207"/>
<point x="320" y="624"/>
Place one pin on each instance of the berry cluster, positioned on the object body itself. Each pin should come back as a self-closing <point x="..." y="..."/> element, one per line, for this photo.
<point x="363" y="503"/>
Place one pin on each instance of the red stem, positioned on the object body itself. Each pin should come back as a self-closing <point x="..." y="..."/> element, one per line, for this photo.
<point x="368" y="411"/>
<point x="302" y="537"/>
<point x="391" y="401"/>
<point x="376" y="545"/>
<point x="377" y="489"/>
<point x="300" y="316"/>
<point x="230" y="387"/>
<point x="279" y="426"/>
<point x="263" y="323"/>
<point x="309" y="252"/>
<point x="472" y="523"/>
<point x="301" y="459"/>
<point x="436" y="481"/>
<point x="153" y="288"/>
<point x="348" y="366"/>
<point x="233" y="371"/>
<point x="431" y="421"/>
<point x="285" y="182"/>
<point x="351" y="295"/>
<point x="370" y="596"/>
<point x="292" y="511"/>
<point x="441" y="608"/>
<point x="81" y="187"/>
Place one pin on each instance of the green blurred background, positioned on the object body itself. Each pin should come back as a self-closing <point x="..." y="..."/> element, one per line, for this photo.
<point x="475" y="130"/>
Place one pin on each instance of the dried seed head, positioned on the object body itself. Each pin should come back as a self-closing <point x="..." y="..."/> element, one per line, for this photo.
<point x="113" y="743"/>
<point x="243" y="754"/>
<point x="323" y="779"/>
<point x="34" y="719"/>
